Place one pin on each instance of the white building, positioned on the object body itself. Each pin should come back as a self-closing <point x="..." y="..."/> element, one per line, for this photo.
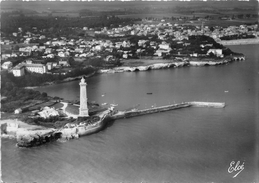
<point x="63" y="54"/>
<point x="5" y="56"/>
<point x="19" y="70"/>
<point x="18" y="111"/>
<point x="141" y="42"/>
<point x="164" y="46"/>
<point x="64" y="62"/>
<point x="38" y="68"/>
<point x="49" y="66"/>
<point x="47" y="112"/>
<point x="217" y="52"/>
<point x="7" y="65"/>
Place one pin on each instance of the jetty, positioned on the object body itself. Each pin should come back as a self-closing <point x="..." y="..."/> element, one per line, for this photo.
<point x="207" y="104"/>
<point x="134" y="112"/>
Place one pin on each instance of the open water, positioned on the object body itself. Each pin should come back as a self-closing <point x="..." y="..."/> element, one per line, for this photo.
<point x="185" y="145"/>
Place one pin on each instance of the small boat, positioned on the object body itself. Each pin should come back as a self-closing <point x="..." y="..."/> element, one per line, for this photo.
<point x="226" y="91"/>
<point x="149" y="93"/>
<point x="114" y="105"/>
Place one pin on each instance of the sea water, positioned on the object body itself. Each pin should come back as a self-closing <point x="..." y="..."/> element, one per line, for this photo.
<point x="185" y="145"/>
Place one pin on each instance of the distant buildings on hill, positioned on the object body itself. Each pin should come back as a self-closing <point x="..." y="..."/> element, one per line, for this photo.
<point x="35" y="66"/>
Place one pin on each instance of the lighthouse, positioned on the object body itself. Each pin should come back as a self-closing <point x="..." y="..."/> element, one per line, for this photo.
<point x="83" y="109"/>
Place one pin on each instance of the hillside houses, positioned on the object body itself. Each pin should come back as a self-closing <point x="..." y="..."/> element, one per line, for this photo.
<point x="130" y="41"/>
<point x="38" y="66"/>
<point x="19" y="70"/>
<point x="7" y="65"/>
<point x="64" y="62"/>
<point x="216" y="52"/>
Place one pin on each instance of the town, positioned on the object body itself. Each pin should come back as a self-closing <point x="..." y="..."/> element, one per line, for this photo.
<point x="32" y="51"/>
<point x="48" y="52"/>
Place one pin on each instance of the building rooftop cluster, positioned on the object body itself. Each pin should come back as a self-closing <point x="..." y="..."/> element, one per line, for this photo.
<point x="131" y="41"/>
<point x="179" y="31"/>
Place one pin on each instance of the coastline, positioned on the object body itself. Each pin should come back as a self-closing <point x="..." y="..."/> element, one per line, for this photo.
<point x="15" y="126"/>
<point x="28" y="135"/>
<point x="62" y="81"/>
<point x="239" y="41"/>
<point x="143" y="65"/>
<point x="11" y="127"/>
<point x="164" y="64"/>
<point x="32" y="135"/>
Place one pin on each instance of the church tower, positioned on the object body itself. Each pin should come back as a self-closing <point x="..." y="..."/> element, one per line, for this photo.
<point x="83" y="109"/>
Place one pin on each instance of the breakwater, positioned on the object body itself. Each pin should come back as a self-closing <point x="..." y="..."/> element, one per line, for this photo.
<point x="133" y="113"/>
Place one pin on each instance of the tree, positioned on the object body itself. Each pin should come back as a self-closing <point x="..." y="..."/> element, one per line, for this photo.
<point x="212" y="29"/>
<point x="16" y="47"/>
<point x="211" y="54"/>
<point x="44" y="95"/>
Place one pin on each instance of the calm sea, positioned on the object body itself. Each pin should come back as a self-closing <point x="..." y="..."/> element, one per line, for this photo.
<point x="186" y="145"/>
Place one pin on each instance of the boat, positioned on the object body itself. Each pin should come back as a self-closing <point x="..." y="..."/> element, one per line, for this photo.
<point x="114" y="105"/>
<point x="149" y="93"/>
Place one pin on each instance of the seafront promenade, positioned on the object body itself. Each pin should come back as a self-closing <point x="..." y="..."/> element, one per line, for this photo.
<point x="239" y="41"/>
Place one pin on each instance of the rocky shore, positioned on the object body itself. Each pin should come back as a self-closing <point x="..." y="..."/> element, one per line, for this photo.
<point x="32" y="135"/>
<point x="62" y="81"/>
<point x="33" y="138"/>
<point x="186" y="62"/>
<point x="143" y="68"/>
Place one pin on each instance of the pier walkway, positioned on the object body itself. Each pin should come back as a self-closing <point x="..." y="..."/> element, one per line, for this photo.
<point x="133" y="113"/>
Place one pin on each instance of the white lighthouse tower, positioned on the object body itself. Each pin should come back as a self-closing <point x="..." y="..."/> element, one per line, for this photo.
<point x="83" y="109"/>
